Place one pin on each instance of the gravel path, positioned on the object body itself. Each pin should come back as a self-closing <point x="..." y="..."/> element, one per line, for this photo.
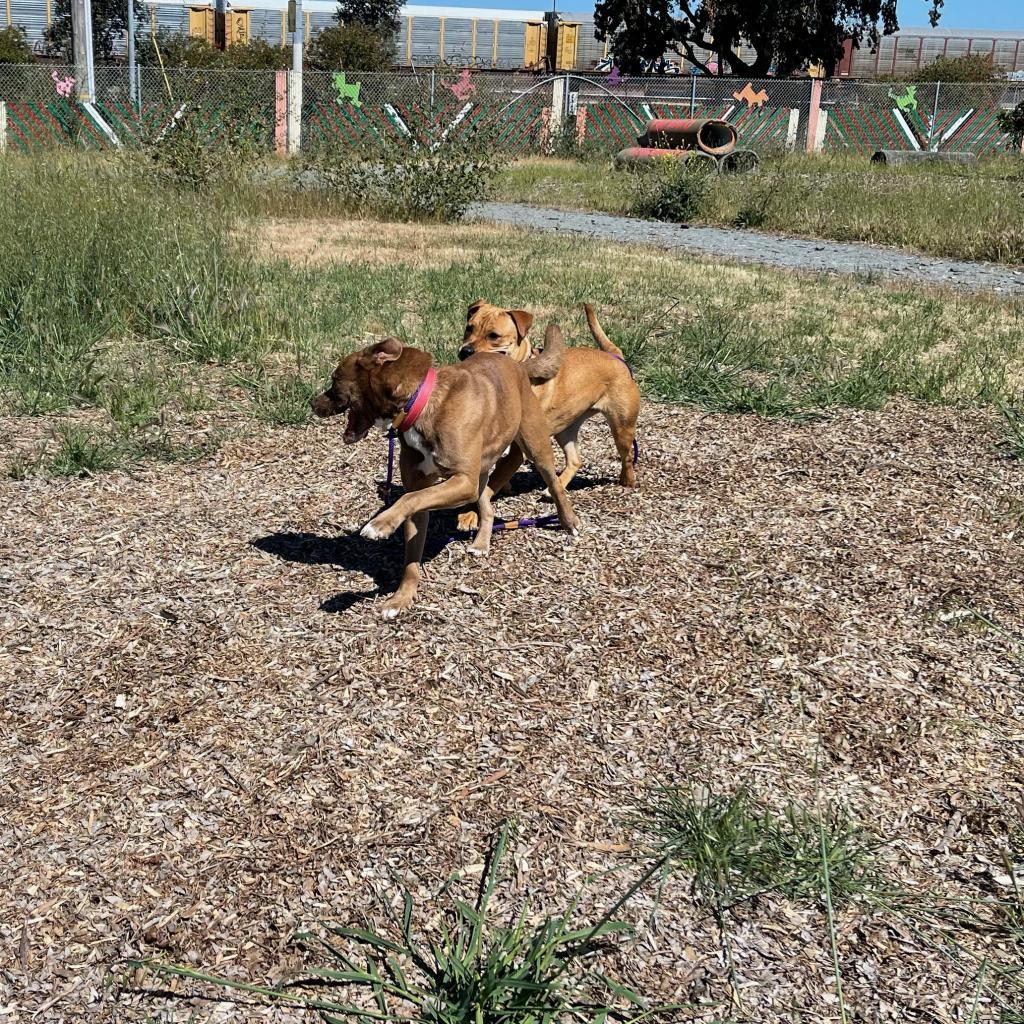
<point x="758" y="247"/>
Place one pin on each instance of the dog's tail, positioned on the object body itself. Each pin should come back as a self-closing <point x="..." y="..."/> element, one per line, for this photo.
<point x="604" y="343"/>
<point x="546" y="365"/>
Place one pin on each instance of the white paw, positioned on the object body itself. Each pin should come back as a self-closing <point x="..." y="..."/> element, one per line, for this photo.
<point x="371" y="532"/>
<point x="478" y="552"/>
<point x="390" y="613"/>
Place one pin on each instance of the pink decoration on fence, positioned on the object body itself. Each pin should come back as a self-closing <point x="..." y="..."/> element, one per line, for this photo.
<point x="64" y="86"/>
<point x="615" y="76"/>
<point x="463" y="88"/>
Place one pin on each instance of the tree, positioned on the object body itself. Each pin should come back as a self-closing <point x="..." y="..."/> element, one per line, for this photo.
<point x="379" y="15"/>
<point x="15" y="47"/>
<point x="785" y="34"/>
<point x="109" y="24"/>
<point x="351" y="47"/>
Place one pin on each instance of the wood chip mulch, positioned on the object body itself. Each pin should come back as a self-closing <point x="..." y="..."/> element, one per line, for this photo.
<point x="208" y="738"/>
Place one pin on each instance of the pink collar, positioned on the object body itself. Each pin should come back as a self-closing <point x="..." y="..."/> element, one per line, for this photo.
<point x="418" y="402"/>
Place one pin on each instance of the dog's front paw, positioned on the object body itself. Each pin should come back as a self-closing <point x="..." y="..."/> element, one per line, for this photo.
<point x="394" y="606"/>
<point x="379" y="528"/>
<point x="478" y="549"/>
<point x="467" y="521"/>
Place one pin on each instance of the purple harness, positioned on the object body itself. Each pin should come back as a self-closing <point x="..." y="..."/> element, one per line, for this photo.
<point x="388" y="488"/>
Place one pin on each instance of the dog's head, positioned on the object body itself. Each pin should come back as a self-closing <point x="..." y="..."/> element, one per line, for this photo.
<point x="490" y="329"/>
<point x="367" y="385"/>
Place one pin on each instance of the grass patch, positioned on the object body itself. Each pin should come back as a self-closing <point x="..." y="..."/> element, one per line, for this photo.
<point x="172" y="308"/>
<point x="956" y="212"/>
<point x="469" y="967"/>
<point x="81" y="451"/>
<point x="735" y="848"/>
<point x="1011" y="443"/>
<point x="282" y="400"/>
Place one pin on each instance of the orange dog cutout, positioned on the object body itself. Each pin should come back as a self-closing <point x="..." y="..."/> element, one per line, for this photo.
<point x="751" y="98"/>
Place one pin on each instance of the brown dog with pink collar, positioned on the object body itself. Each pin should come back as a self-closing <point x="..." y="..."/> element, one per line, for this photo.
<point x="457" y="425"/>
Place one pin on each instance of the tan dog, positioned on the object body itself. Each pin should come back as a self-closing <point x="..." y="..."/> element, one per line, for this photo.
<point x="455" y="424"/>
<point x="590" y="381"/>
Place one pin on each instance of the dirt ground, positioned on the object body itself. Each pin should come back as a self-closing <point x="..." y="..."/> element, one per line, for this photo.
<point x="208" y="738"/>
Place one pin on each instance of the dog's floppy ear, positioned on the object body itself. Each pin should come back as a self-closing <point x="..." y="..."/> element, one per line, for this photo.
<point x="522" y="320"/>
<point x="474" y="307"/>
<point x="386" y="351"/>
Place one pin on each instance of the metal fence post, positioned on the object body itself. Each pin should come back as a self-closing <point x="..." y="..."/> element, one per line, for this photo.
<point x="295" y="85"/>
<point x="133" y="99"/>
<point x="693" y="94"/>
<point x="81" y="32"/>
<point x="3" y="126"/>
<point x="432" y="87"/>
<point x="935" y="117"/>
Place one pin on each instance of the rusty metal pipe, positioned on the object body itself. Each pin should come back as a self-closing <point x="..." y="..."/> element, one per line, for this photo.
<point x="711" y="135"/>
<point x="650" y="154"/>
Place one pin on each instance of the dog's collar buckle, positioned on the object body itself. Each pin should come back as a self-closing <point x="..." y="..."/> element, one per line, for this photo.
<point x="411" y="412"/>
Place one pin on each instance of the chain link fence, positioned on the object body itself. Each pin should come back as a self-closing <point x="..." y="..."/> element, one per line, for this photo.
<point x="510" y="111"/>
<point x="952" y="116"/>
<point x="516" y="112"/>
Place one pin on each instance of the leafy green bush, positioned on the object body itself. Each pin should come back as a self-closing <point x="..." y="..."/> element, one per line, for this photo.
<point x="15" y="47"/>
<point x="673" y="190"/>
<point x="973" y="67"/>
<point x="403" y="180"/>
<point x="1012" y="122"/>
<point x="187" y="154"/>
<point x="352" y="47"/>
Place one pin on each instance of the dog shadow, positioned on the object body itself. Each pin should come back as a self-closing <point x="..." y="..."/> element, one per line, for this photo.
<point x="380" y="561"/>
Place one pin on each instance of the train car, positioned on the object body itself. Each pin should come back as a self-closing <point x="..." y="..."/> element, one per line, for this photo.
<point x="906" y="52"/>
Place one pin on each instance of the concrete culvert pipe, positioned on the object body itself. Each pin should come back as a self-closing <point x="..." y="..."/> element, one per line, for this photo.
<point x="710" y="136"/>
<point x="739" y="161"/>
<point x="639" y="155"/>
<point x="898" y="157"/>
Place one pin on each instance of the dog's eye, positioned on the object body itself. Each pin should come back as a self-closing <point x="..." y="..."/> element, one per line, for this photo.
<point x="493" y="336"/>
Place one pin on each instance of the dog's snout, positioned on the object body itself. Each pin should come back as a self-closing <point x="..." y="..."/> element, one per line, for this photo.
<point x="465" y="352"/>
<point x="321" y="405"/>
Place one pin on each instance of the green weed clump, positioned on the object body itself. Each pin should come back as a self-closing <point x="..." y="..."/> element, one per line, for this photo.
<point x="467" y="969"/>
<point x="672" y="190"/>
<point x="735" y="848"/>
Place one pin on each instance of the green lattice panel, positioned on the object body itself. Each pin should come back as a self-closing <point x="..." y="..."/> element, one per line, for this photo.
<point x="863" y="129"/>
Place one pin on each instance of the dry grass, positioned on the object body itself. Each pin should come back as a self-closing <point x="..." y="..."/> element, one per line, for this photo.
<point x="211" y="739"/>
<point x="316" y="243"/>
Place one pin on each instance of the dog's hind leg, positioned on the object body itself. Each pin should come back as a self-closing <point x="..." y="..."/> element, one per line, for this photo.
<point x="621" y="415"/>
<point x="567" y="441"/>
<point x="535" y="442"/>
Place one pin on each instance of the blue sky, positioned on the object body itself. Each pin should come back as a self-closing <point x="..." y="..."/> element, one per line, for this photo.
<point x="983" y="14"/>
